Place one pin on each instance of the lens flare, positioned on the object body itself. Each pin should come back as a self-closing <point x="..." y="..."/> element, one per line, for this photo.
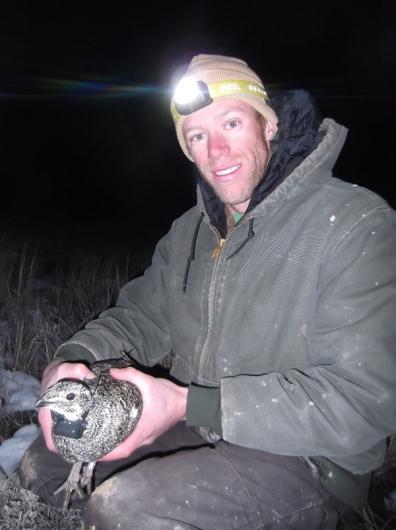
<point x="91" y="87"/>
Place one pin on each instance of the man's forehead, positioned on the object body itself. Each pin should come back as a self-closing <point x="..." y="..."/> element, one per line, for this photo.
<point x="216" y="110"/>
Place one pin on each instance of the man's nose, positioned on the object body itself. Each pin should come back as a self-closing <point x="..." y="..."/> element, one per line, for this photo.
<point x="217" y="146"/>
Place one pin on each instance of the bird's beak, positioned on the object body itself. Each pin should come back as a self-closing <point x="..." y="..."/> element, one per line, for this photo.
<point x="42" y="402"/>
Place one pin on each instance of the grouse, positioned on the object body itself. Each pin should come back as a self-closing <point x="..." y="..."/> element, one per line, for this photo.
<point x="89" y="419"/>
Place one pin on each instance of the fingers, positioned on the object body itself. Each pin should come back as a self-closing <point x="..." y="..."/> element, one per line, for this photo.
<point x="60" y="370"/>
<point x="136" y="439"/>
<point x="143" y="381"/>
<point x="126" y="374"/>
<point x="75" y="371"/>
<point x="121" y="451"/>
<point x="55" y="371"/>
<point x="44" y="417"/>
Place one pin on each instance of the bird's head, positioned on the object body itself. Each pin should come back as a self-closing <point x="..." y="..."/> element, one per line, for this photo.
<point x="71" y="398"/>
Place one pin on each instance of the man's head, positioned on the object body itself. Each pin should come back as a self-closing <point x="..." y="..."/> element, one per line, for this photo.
<point x="227" y="127"/>
<point x="218" y="77"/>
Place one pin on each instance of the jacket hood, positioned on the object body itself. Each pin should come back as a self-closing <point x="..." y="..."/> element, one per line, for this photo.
<point x="299" y="133"/>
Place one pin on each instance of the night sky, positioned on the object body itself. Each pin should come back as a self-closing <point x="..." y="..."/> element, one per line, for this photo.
<point x="87" y="142"/>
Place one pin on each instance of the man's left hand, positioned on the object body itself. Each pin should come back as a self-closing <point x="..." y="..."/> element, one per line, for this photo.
<point x="164" y="404"/>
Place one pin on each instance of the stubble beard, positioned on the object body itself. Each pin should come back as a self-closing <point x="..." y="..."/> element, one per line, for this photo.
<point x="233" y="199"/>
<point x="245" y="194"/>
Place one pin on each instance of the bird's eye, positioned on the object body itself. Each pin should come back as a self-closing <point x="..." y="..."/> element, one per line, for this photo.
<point x="70" y="396"/>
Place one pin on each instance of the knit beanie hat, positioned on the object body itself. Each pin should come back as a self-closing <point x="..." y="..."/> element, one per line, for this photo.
<point x="224" y="76"/>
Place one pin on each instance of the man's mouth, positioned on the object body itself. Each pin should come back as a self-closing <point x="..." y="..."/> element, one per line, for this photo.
<point x="227" y="171"/>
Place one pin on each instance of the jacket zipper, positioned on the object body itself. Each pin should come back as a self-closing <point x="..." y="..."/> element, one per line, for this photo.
<point x="215" y="255"/>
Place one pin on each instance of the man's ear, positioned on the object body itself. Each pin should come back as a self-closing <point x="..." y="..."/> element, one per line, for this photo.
<point x="270" y="130"/>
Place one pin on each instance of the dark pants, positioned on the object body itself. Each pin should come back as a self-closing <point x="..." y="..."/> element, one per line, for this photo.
<point x="182" y="482"/>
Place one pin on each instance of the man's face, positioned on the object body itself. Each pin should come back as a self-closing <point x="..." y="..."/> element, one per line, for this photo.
<point x="229" y="142"/>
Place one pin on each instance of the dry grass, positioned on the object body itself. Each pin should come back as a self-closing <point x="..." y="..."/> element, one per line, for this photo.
<point x="44" y="304"/>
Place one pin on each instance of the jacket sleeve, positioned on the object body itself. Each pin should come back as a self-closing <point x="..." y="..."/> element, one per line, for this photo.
<point x="137" y="324"/>
<point x="343" y="403"/>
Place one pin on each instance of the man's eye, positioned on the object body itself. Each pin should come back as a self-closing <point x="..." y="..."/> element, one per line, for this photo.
<point x="196" y="138"/>
<point x="232" y="124"/>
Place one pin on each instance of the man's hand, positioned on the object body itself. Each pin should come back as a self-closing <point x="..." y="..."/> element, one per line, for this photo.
<point x="55" y="371"/>
<point x="164" y="404"/>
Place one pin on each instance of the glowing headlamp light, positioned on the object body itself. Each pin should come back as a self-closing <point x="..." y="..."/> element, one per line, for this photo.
<point x="191" y="95"/>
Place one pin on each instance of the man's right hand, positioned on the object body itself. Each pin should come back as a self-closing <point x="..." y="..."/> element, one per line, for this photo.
<point x="55" y="371"/>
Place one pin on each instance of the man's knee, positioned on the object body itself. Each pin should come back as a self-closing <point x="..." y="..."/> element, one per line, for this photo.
<point x="112" y="505"/>
<point x="42" y="471"/>
<point x="27" y="469"/>
<point x="132" y="500"/>
<point x="33" y="462"/>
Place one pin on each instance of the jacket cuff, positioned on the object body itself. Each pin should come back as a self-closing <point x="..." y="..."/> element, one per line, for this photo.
<point x="204" y="408"/>
<point x="74" y="353"/>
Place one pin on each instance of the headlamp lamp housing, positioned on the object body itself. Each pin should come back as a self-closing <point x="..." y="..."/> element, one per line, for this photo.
<point x="191" y="96"/>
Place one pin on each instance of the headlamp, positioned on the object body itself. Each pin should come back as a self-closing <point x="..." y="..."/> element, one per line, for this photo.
<point x="191" y="95"/>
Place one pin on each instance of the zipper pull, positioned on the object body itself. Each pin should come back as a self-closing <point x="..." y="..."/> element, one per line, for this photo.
<point x="217" y="250"/>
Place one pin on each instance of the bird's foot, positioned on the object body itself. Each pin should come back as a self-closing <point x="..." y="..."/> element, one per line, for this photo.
<point x="72" y="485"/>
<point x="87" y="477"/>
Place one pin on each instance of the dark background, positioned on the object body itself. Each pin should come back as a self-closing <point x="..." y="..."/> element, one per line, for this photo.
<point x="87" y="145"/>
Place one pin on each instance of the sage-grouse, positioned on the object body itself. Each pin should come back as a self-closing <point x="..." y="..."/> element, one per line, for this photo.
<point x="89" y="419"/>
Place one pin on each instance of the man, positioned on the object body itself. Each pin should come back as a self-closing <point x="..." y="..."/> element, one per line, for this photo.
<point x="276" y="296"/>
